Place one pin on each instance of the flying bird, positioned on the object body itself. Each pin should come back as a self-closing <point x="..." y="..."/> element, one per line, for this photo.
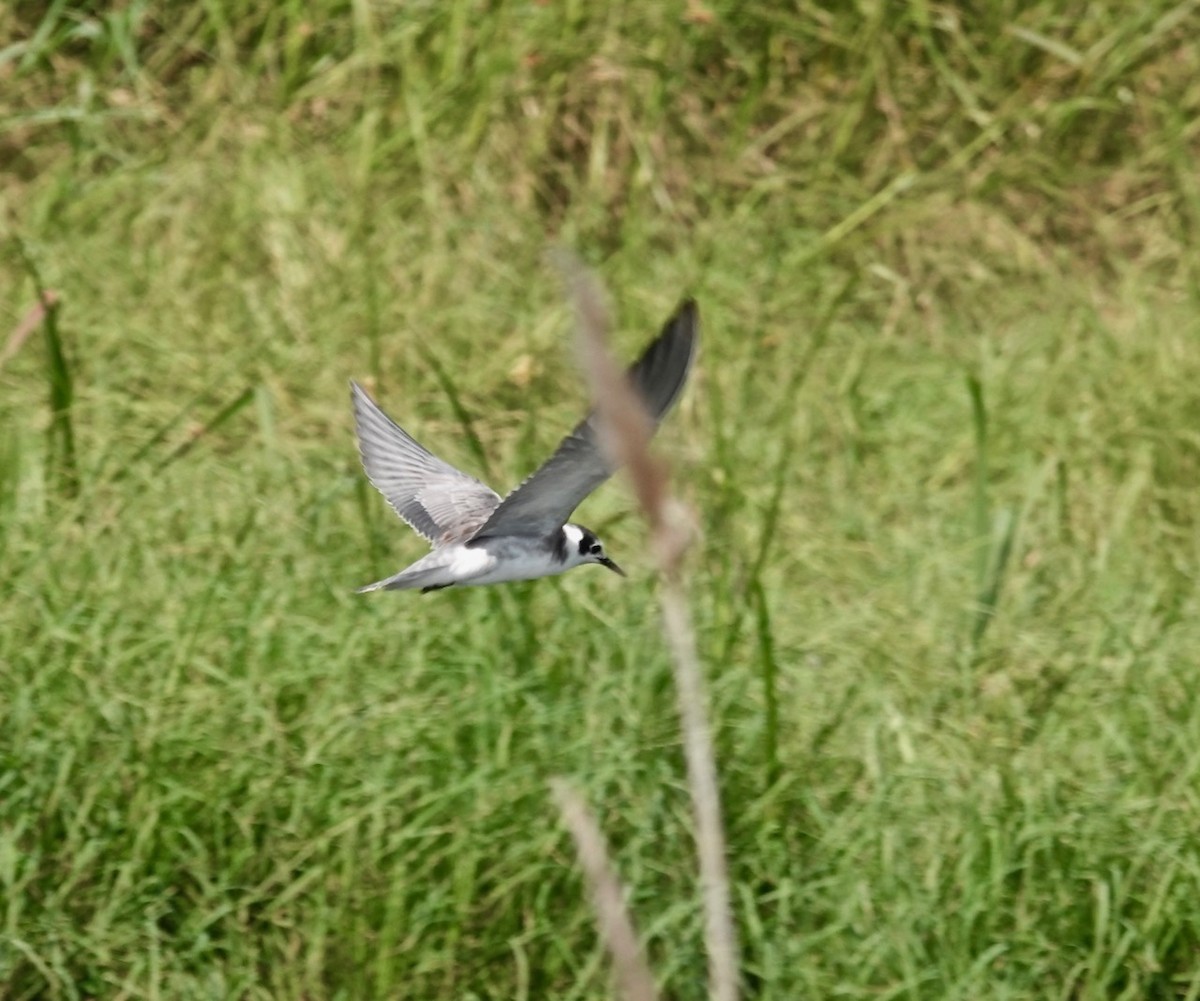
<point x="476" y="536"/>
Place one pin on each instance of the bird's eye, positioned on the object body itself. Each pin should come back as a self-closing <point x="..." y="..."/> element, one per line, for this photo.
<point x="597" y="549"/>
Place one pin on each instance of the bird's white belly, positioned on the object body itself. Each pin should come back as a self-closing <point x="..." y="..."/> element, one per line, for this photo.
<point x="476" y="565"/>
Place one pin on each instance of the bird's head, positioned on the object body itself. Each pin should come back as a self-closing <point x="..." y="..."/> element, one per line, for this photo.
<point x="582" y="546"/>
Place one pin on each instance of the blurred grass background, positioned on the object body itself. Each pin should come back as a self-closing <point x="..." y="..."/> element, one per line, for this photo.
<point x="942" y="446"/>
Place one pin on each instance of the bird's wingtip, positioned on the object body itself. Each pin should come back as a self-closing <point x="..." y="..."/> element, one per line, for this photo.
<point x="688" y="308"/>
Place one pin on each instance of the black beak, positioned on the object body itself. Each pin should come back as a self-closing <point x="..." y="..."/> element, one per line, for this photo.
<point x="606" y="562"/>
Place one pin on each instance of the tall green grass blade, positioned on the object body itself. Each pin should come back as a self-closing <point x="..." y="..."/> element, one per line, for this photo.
<point x="133" y="462"/>
<point x="980" y="508"/>
<point x="769" y="673"/>
<point x="992" y="579"/>
<point x="993" y="541"/>
<point x="465" y="421"/>
<point x="230" y="409"/>
<point x="59" y="379"/>
<point x="784" y="468"/>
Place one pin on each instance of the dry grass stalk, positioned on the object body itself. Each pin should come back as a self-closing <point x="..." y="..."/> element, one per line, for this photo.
<point x="634" y="980"/>
<point x="625" y="427"/>
<point x="626" y="430"/>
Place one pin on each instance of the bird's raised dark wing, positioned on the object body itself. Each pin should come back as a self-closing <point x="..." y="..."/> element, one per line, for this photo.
<point x="546" y="499"/>
<point x="435" y="499"/>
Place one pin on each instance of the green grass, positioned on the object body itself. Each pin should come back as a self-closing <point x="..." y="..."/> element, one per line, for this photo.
<point x="941" y="446"/>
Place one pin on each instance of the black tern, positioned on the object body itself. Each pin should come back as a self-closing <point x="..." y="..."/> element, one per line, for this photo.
<point x="479" y="538"/>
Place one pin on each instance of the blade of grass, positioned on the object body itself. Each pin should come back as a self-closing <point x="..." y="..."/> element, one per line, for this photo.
<point x="785" y="464"/>
<point x="59" y="378"/>
<point x="161" y="433"/>
<point x="460" y="411"/>
<point x="999" y="550"/>
<point x="770" y="672"/>
<point x="980" y="507"/>
<point x="994" y="541"/>
<point x="225" y="413"/>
